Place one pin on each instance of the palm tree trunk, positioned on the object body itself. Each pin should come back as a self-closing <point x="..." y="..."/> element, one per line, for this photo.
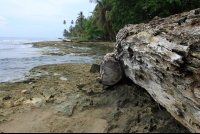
<point x="110" y="36"/>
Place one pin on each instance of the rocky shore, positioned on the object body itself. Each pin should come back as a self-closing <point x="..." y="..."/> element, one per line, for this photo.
<point x="80" y="49"/>
<point x="69" y="98"/>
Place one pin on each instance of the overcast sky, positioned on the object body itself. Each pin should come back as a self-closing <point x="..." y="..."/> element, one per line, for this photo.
<point x="40" y="18"/>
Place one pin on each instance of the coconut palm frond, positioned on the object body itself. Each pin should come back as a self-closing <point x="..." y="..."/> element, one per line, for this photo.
<point x="93" y="1"/>
<point x="101" y="17"/>
<point x="100" y="8"/>
<point x="107" y="15"/>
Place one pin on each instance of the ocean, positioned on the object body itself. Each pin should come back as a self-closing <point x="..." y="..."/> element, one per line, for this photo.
<point x="17" y="58"/>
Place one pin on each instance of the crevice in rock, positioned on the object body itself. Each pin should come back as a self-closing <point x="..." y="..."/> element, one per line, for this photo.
<point x="130" y="52"/>
<point x="7" y="98"/>
<point x="196" y="12"/>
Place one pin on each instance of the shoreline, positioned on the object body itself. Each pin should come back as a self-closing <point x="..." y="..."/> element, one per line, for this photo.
<point x="56" y="52"/>
<point x="68" y="98"/>
<point x="81" y="49"/>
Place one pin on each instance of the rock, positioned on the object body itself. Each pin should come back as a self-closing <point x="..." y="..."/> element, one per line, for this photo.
<point x="95" y="67"/>
<point x="2" y="118"/>
<point x="110" y="70"/>
<point x="24" y="91"/>
<point x="1" y="102"/>
<point x="8" y="104"/>
<point x="68" y="109"/>
<point x="62" y="78"/>
<point x="149" y="118"/>
<point x="163" y="57"/>
<point x="37" y="102"/>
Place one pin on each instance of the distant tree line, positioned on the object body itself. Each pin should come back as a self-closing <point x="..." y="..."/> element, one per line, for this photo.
<point x="109" y="16"/>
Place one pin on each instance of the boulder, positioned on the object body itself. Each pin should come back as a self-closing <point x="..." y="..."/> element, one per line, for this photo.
<point x="110" y="71"/>
<point x="163" y="57"/>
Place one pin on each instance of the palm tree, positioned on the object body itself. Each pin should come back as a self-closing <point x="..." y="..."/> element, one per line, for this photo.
<point x="101" y="13"/>
<point x="70" y="28"/>
<point x="80" y="19"/>
<point x="95" y="1"/>
<point x="65" y="33"/>
<point x="64" y="22"/>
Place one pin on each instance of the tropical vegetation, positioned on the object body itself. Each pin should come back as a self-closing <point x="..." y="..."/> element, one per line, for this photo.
<point x="109" y="16"/>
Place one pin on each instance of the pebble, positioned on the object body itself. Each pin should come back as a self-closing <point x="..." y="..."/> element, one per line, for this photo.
<point x="62" y="78"/>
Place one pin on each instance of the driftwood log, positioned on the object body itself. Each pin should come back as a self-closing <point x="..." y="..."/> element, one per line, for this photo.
<point x="163" y="57"/>
<point x="67" y="40"/>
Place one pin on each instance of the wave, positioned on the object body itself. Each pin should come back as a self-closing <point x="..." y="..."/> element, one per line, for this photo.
<point x="5" y="40"/>
<point x="8" y="43"/>
<point x="9" y="47"/>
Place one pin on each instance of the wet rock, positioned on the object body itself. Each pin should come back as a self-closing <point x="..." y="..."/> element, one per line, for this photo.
<point x="95" y="67"/>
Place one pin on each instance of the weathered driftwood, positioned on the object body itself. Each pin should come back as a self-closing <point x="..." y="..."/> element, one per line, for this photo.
<point x="67" y="40"/>
<point x="110" y="71"/>
<point x="163" y="57"/>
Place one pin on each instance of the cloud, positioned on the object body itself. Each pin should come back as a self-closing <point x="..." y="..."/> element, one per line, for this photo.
<point x="43" y="15"/>
<point x="2" y="18"/>
<point x="3" y="21"/>
<point x="29" y="8"/>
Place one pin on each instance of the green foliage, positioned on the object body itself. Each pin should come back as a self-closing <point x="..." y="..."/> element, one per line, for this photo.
<point x="65" y="33"/>
<point x="142" y="11"/>
<point x="109" y="16"/>
<point x="96" y="26"/>
<point x="64" y="22"/>
<point x="101" y="16"/>
<point x="91" y="31"/>
<point x="80" y="20"/>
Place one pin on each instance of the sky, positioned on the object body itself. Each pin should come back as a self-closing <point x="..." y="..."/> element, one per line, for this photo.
<point x="40" y="18"/>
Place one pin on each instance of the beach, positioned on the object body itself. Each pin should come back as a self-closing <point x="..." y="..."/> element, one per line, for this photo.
<point x="68" y="98"/>
<point x="19" y="55"/>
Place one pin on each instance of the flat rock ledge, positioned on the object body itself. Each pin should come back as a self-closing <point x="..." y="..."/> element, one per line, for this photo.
<point x="163" y="57"/>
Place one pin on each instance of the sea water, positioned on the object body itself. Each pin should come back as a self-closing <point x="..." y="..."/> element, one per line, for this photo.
<point x="17" y="57"/>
